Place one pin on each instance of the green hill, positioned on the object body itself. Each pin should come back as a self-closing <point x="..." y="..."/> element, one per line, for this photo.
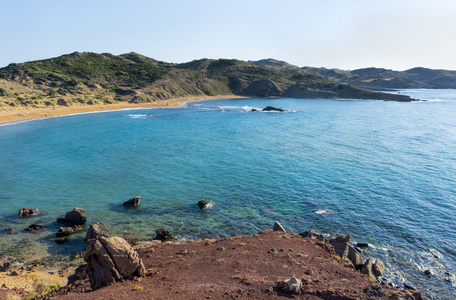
<point x="89" y="78"/>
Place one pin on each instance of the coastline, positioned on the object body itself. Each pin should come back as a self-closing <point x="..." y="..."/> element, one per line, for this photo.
<point x="27" y="113"/>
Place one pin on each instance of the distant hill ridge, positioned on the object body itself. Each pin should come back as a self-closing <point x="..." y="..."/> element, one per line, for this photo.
<point x="374" y="78"/>
<point x="89" y="78"/>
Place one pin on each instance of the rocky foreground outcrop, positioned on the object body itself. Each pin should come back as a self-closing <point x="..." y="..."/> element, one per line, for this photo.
<point x="110" y="258"/>
<point x="241" y="267"/>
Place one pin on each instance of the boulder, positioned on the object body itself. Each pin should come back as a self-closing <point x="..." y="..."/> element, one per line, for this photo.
<point x="293" y="285"/>
<point x="133" y="202"/>
<point x="372" y="270"/>
<point x="378" y="269"/>
<point x="111" y="259"/>
<point x="314" y="235"/>
<point x="35" y="228"/>
<point x="346" y="251"/>
<point x="27" y="212"/>
<point x="74" y="217"/>
<point x="204" y="204"/>
<point x="163" y="235"/>
<point x="97" y="230"/>
<point x="278" y="227"/>
<point x="65" y="231"/>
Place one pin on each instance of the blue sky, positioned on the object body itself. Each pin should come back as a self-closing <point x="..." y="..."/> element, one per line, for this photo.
<point x="344" y="34"/>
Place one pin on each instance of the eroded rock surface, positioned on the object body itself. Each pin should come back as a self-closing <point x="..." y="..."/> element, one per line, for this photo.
<point x="111" y="259"/>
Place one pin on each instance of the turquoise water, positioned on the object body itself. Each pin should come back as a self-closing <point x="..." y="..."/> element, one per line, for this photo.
<point x="382" y="172"/>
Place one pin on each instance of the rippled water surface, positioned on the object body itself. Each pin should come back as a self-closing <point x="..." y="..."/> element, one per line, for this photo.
<point x="383" y="172"/>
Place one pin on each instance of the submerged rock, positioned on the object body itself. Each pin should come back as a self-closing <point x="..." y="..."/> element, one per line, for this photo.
<point x="65" y="231"/>
<point x="27" y="212"/>
<point x="97" y="230"/>
<point x="163" y="235"/>
<point x="133" y="202"/>
<point x="35" y="228"/>
<point x="111" y="259"/>
<point x="74" y="217"/>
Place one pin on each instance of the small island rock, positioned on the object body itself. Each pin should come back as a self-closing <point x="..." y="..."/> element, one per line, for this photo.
<point x="74" y="217"/>
<point x="204" y="204"/>
<point x="133" y="202"/>
<point x="27" y="212"/>
<point x="164" y="235"/>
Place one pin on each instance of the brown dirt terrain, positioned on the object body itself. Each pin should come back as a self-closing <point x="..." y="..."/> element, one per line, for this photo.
<point x="240" y="267"/>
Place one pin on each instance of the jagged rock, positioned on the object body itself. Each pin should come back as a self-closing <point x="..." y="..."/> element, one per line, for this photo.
<point x="35" y="228"/>
<point x="372" y="270"/>
<point x="278" y="227"/>
<point x="355" y="257"/>
<point x="293" y="285"/>
<point x="97" y="230"/>
<point x="130" y="238"/>
<point x="362" y="245"/>
<point x="111" y="259"/>
<point x="346" y="251"/>
<point x="378" y="269"/>
<point x="133" y="202"/>
<point x="74" y="217"/>
<point x="314" y="235"/>
<point x="27" y="212"/>
<point x="65" y="231"/>
<point x="204" y="204"/>
<point x="164" y="235"/>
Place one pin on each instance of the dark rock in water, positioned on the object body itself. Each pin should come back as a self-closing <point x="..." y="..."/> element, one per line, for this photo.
<point x="130" y="238"/>
<point x="35" y="228"/>
<point x="409" y="286"/>
<point x="272" y="108"/>
<point x="163" y="235"/>
<point x="111" y="259"/>
<point x="314" y="235"/>
<point x="65" y="231"/>
<point x="428" y="272"/>
<point x="27" y="212"/>
<point x="61" y="240"/>
<point x="133" y="202"/>
<point x="362" y="245"/>
<point x="74" y="217"/>
<point x="278" y="227"/>
<point x="204" y="204"/>
<point x="11" y="231"/>
<point x="97" y="230"/>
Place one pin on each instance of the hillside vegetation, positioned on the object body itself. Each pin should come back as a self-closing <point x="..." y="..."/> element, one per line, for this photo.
<point x="374" y="78"/>
<point x="90" y="78"/>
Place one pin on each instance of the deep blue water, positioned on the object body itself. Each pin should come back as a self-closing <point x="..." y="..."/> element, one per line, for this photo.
<point x="383" y="172"/>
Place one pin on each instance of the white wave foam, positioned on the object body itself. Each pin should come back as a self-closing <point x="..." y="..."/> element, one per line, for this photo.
<point x="324" y="212"/>
<point x="139" y="116"/>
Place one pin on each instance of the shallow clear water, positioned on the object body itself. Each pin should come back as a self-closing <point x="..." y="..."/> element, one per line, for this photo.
<point x="382" y="172"/>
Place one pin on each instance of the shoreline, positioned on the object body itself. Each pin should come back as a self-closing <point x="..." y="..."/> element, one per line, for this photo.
<point x="27" y="113"/>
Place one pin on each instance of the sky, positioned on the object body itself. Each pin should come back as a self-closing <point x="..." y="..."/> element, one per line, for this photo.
<point x="343" y="34"/>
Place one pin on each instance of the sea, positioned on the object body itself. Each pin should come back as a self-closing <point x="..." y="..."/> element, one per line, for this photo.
<point x="383" y="172"/>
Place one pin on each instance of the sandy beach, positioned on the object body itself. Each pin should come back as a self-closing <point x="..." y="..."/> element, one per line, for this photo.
<point x="17" y="114"/>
